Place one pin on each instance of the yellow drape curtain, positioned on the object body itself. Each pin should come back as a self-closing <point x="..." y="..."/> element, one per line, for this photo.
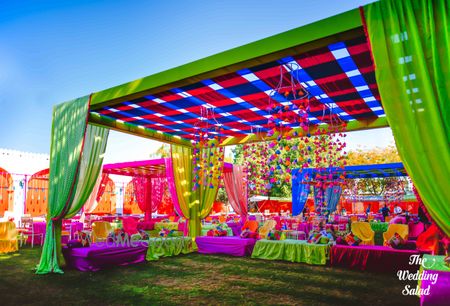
<point x="208" y="191"/>
<point x="195" y="205"/>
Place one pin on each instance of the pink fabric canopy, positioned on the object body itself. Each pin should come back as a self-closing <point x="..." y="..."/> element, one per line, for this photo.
<point x="149" y="182"/>
<point x="236" y="189"/>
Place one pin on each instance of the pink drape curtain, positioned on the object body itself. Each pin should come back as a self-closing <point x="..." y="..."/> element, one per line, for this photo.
<point x="159" y="184"/>
<point x="172" y="188"/>
<point x="149" y="193"/>
<point x="236" y="189"/>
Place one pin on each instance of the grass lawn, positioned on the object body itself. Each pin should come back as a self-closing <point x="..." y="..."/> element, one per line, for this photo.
<point x="197" y="279"/>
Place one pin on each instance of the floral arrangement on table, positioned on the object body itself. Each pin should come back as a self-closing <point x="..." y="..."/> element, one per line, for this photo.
<point x="165" y="233"/>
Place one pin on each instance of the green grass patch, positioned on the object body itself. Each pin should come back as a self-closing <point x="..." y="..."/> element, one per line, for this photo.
<point x="196" y="279"/>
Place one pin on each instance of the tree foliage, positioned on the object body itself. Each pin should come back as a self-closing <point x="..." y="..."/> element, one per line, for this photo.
<point x="390" y="187"/>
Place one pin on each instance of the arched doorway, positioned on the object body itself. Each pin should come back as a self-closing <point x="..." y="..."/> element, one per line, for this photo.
<point x="107" y="202"/>
<point x="37" y="194"/>
<point x="6" y="191"/>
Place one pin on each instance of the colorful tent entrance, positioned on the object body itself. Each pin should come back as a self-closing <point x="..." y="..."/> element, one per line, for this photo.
<point x="333" y="60"/>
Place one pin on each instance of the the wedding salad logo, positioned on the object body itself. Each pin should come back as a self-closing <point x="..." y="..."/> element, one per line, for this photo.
<point x="407" y="275"/>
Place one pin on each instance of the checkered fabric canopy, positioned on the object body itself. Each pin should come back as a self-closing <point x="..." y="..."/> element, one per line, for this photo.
<point x="340" y="79"/>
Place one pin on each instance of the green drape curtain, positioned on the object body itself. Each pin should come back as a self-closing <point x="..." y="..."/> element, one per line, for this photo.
<point x="195" y="205"/>
<point x="76" y="157"/>
<point x="410" y="43"/>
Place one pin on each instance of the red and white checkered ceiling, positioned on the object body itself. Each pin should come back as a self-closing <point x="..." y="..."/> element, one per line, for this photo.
<point x="340" y="79"/>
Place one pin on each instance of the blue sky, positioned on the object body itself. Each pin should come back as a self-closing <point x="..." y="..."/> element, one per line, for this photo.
<point x="53" y="51"/>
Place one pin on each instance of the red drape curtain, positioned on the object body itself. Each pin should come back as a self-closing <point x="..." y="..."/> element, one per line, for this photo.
<point x="149" y="193"/>
<point x="143" y="192"/>
<point x="236" y="189"/>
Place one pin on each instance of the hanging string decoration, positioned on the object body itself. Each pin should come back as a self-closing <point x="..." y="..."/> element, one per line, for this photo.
<point x="255" y="168"/>
<point x="324" y="150"/>
<point x="288" y="103"/>
<point x="208" y="133"/>
<point x="288" y="107"/>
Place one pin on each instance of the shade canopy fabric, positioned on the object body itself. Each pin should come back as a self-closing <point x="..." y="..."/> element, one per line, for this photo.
<point x="362" y="171"/>
<point x="329" y="58"/>
<point x="339" y="76"/>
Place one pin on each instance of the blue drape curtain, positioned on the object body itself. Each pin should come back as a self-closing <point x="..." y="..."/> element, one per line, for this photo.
<point x="318" y="197"/>
<point x="300" y="191"/>
<point x="332" y="196"/>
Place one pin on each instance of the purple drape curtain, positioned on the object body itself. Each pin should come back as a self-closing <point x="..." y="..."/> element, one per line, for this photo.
<point x="172" y="188"/>
<point x="236" y="189"/>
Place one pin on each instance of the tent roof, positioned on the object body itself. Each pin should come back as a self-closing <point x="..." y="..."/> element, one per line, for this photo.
<point x="364" y="171"/>
<point x="335" y="68"/>
<point x="146" y="168"/>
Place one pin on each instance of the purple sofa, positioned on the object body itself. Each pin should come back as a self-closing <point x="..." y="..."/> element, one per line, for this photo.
<point x="104" y="255"/>
<point x="235" y="246"/>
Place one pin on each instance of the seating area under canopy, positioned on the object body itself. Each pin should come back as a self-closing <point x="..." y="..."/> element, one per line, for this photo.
<point x="367" y="68"/>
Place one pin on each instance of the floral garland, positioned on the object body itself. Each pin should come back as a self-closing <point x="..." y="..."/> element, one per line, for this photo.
<point x="208" y="137"/>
